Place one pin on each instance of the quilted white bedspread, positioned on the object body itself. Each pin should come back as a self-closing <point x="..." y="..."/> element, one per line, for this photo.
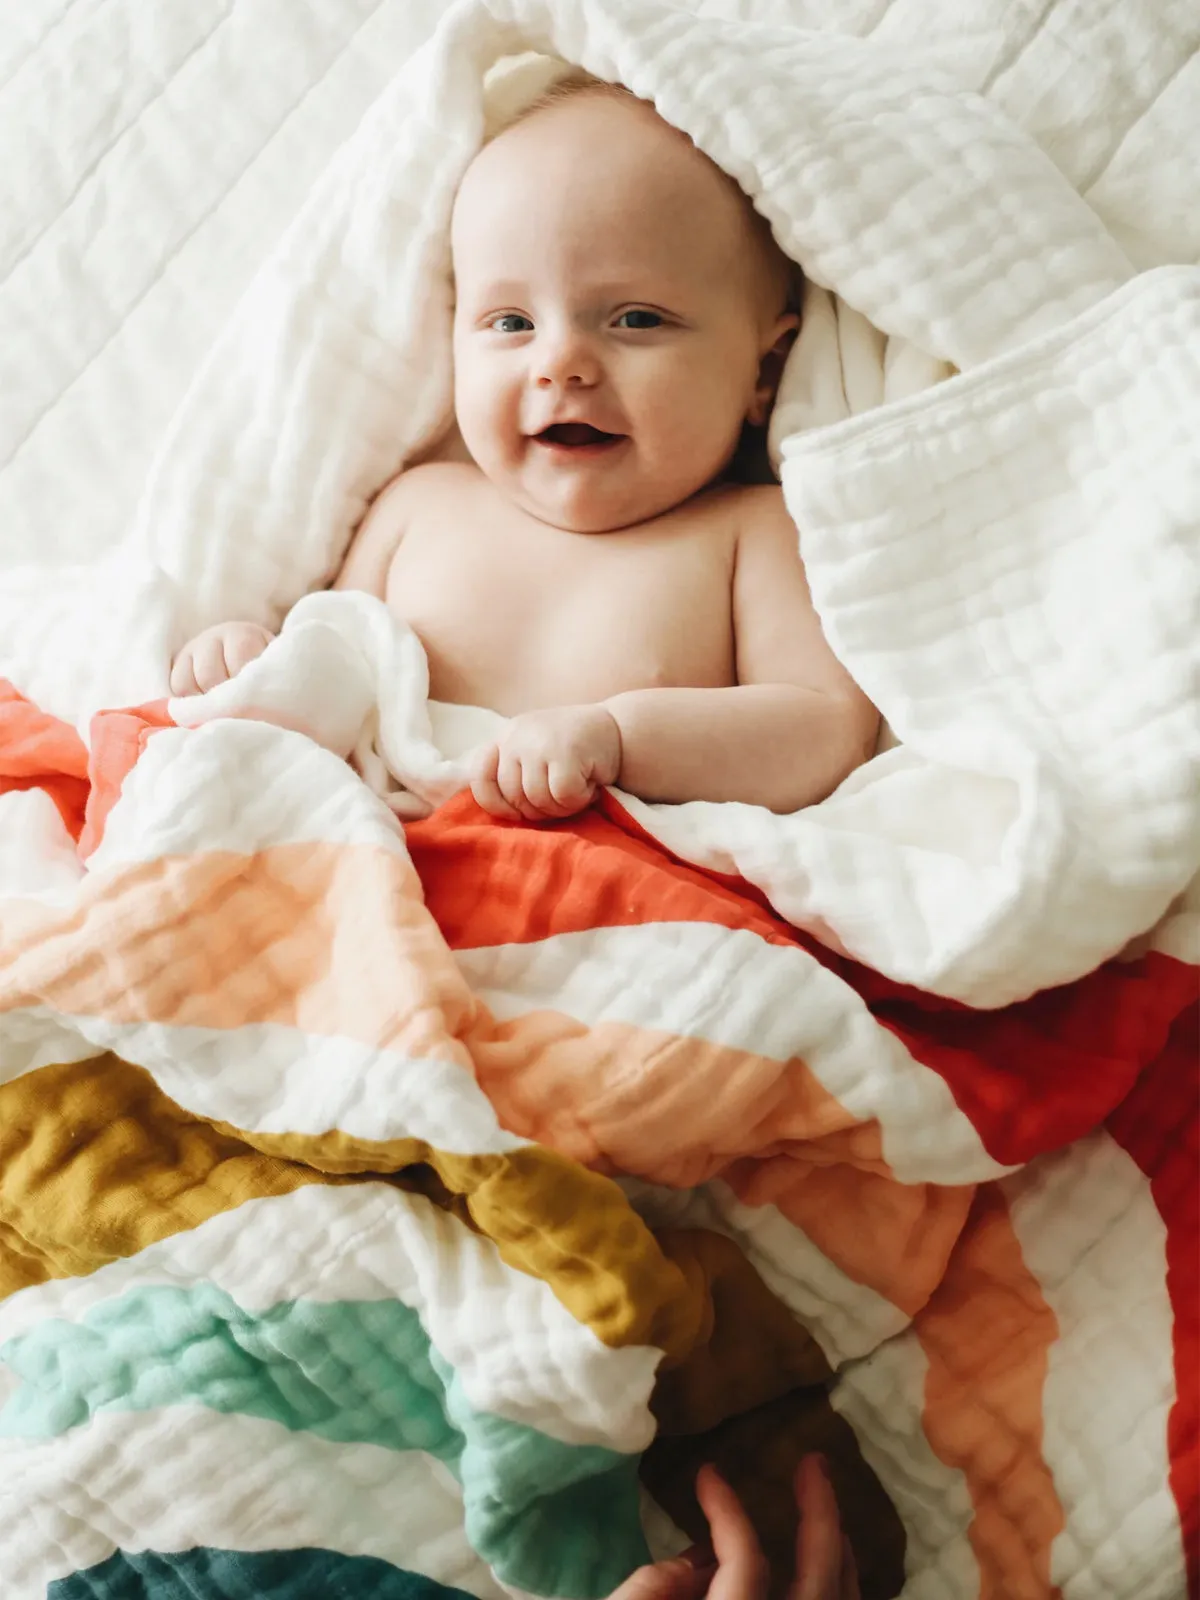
<point x="224" y="323"/>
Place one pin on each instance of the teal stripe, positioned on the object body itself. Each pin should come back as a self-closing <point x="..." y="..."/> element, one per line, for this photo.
<point x="548" y="1517"/>
<point x="233" y="1575"/>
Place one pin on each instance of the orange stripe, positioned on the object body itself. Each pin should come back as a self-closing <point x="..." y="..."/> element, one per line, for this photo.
<point x="895" y="1238"/>
<point x="673" y="1110"/>
<point x="987" y="1334"/>
<point x="222" y="939"/>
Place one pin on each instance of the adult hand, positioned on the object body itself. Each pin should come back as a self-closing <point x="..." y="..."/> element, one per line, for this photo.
<point x="736" y="1569"/>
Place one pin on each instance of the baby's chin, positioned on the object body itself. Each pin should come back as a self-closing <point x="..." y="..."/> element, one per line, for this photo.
<point x="597" y="501"/>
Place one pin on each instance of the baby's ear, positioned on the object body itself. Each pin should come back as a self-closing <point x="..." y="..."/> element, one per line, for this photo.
<point x="781" y="338"/>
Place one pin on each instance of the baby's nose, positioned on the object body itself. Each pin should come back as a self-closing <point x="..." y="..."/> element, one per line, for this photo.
<point x="565" y="362"/>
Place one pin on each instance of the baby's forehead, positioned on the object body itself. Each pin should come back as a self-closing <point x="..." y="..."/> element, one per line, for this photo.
<point x="608" y="163"/>
<point x="602" y="171"/>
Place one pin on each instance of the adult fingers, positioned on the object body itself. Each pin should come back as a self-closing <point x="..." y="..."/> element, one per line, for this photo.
<point x="742" y="1571"/>
<point x="850" y="1589"/>
<point x="819" y="1543"/>
<point x="680" y="1579"/>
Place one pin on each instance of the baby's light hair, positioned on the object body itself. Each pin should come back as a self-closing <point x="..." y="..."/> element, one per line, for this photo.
<point x="572" y="83"/>
<point x="784" y="276"/>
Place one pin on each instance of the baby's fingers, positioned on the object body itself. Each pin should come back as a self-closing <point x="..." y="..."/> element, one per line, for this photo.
<point x="535" y="786"/>
<point x="208" y="662"/>
<point x="569" y="789"/>
<point x="485" y="788"/>
<point x="183" y="674"/>
<point x="510" y="778"/>
<point x="241" y="646"/>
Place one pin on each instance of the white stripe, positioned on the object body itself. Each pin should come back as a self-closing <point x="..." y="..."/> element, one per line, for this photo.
<point x="268" y="1078"/>
<point x="38" y="1038"/>
<point x="1090" y="1230"/>
<point x="882" y="1398"/>
<point x="37" y="854"/>
<point x="518" y="1351"/>
<point x="243" y="787"/>
<point x="846" y="1318"/>
<point x="173" y="1479"/>
<point x="733" y="989"/>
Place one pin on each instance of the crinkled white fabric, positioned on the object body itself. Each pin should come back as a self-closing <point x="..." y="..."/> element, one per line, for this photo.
<point x="349" y="674"/>
<point x="1006" y="561"/>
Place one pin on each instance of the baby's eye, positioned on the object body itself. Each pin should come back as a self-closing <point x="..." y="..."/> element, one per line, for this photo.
<point x="511" y="322"/>
<point x="639" y="319"/>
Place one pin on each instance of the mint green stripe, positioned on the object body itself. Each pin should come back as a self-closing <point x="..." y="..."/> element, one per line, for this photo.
<point x="549" y="1517"/>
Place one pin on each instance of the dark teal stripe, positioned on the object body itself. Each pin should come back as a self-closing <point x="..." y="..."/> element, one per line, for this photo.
<point x="233" y="1575"/>
<point x="548" y="1517"/>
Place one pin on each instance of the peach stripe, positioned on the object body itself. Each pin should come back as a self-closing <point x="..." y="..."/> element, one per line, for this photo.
<point x="674" y="1110"/>
<point x="895" y="1238"/>
<point x="986" y="1334"/>
<point x="221" y="939"/>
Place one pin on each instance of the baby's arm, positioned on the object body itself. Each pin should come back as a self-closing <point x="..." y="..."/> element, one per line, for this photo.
<point x="795" y="725"/>
<point x="220" y="652"/>
<point x="369" y="558"/>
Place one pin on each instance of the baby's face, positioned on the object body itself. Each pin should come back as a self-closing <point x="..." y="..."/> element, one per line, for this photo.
<point x="613" y="312"/>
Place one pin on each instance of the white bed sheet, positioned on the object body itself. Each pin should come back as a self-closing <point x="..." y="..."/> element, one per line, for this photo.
<point x="151" y="156"/>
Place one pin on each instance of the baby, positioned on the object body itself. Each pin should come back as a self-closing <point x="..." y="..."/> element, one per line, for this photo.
<point x="621" y="318"/>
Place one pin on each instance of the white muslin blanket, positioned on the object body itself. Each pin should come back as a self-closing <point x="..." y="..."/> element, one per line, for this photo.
<point x="373" y="1194"/>
<point x="1006" y="560"/>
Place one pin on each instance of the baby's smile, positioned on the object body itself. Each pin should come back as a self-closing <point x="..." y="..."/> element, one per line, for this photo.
<point x="575" y="440"/>
<point x="616" y="319"/>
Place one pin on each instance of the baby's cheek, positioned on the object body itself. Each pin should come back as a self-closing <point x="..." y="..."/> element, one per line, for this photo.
<point x="476" y="411"/>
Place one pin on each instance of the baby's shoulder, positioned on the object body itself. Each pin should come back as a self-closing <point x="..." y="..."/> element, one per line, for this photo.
<point x="434" y="482"/>
<point x="748" y="509"/>
<point x="758" y="502"/>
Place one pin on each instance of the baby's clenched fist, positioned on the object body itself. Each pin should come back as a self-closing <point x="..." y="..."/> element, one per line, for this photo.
<point x="548" y="764"/>
<point x="216" y="655"/>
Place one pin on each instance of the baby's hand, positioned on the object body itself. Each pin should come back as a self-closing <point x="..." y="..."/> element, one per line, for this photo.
<point x="548" y="764"/>
<point x="217" y="655"/>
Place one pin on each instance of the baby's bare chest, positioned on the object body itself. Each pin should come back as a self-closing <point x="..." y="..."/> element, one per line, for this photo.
<point x="519" y="616"/>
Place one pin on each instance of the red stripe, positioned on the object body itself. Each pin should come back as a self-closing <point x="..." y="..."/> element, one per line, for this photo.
<point x="1030" y="1078"/>
<point x="489" y="882"/>
<point x="118" y="739"/>
<point x="38" y="751"/>
<point x="1158" y="1125"/>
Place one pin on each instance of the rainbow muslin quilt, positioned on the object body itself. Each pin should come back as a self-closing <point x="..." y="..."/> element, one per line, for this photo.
<point x="395" y="1203"/>
<point x="370" y="1199"/>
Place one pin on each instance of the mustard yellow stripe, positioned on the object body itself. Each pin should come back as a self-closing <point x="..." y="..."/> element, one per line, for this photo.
<point x="96" y="1163"/>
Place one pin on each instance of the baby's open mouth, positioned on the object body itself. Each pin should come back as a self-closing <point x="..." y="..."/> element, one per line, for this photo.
<point x="577" y="436"/>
